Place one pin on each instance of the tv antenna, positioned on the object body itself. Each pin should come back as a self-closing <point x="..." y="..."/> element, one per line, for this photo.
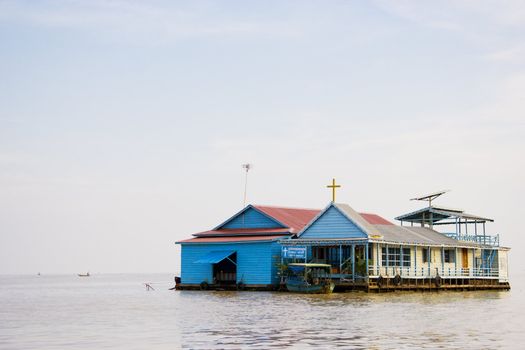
<point x="430" y="197"/>
<point x="246" y="167"/>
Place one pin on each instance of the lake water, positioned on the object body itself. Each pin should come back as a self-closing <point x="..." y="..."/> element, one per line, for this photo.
<point x="117" y="312"/>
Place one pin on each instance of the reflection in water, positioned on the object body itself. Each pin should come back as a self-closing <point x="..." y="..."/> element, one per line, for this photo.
<point x="115" y="311"/>
<point x="357" y="320"/>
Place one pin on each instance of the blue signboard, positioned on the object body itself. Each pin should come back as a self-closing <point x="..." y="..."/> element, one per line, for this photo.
<point x="294" y="252"/>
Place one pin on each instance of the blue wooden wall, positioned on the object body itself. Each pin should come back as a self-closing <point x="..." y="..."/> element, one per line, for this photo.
<point x="276" y="259"/>
<point x="252" y="219"/>
<point x="333" y="224"/>
<point x="255" y="262"/>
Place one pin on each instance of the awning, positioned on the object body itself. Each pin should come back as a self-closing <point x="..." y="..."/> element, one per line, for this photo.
<point x="214" y="257"/>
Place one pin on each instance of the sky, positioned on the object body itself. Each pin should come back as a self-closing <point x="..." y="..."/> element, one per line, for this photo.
<point x="124" y="124"/>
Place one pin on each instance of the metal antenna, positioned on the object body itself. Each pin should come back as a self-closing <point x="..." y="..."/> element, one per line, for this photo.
<point x="430" y="197"/>
<point x="247" y="167"/>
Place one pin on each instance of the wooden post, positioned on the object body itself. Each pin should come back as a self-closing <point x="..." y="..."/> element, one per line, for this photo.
<point x="442" y="260"/>
<point x="401" y="265"/>
<point x="387" y="262"/>
<point x="428" y="259"/>
<point x="353" y="262"/>
<point x="378" y="264"/>
<point x="366" y="259"/>
<point x="456" y="261"/>
<point x="340" y="260"/>
<point x="415" y="261"/>
<point x="473" y="261"/>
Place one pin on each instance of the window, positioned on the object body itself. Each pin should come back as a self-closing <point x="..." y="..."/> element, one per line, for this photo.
<point x="450" y="255"/>
<point x="394" y="257"/>
<point x="406" y="257"/>
<point x="318" y="253"/>
<point x="426" y="255"/>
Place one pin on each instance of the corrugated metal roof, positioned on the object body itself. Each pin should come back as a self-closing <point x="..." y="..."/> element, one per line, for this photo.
<point x="242" y="231"/>
<point x="294" y="218"/>
<point x="230" y="239"/>
<point x="438" y="213"/>
<point x="418" y="235"/>
<point x="375" y="219"/>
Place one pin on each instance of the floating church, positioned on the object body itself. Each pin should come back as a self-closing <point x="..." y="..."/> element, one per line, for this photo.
<point x="433" y="248"/>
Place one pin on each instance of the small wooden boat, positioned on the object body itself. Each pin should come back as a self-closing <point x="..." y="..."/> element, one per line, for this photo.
<point x="84" y="275"/>
<point x="309" y="278"/>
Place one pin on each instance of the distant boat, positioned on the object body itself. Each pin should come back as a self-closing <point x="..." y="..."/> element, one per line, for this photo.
<point x="309" y="278"/>
<point x="84" y="275"/>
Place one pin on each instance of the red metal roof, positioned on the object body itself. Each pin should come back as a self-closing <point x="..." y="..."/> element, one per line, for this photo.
<point x="294" y="218"/>
<point x="375" y="219"/>
<point x="243" y="231"/>
<point x="230" y="239"/>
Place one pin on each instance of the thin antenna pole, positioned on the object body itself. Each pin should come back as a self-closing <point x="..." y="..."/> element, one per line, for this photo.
<point x="245" y="188"/>
<point x="247" y="167"/>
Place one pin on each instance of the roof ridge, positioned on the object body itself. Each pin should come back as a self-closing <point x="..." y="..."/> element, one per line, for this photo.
<point x="281" y="207"/>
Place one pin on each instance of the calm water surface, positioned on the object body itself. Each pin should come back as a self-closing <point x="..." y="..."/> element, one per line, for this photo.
<point x="116" y="312"/>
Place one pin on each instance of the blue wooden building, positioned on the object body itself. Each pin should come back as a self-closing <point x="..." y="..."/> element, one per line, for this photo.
<point x="365" y="251"/>
<point x="243" y="251"/>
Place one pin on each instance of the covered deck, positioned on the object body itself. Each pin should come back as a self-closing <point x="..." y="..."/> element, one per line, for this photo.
<point x="457" y="221"/>
<point x="368" y="264"/>
<point x="349" y="258"/>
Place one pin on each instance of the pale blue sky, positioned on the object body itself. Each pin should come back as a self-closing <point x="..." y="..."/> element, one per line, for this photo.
<point x="123" y="124"/>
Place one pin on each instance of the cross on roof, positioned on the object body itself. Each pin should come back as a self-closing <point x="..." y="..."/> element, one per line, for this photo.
<point x="333" y="186"/>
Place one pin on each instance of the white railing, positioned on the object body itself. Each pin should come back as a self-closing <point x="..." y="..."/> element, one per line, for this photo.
<point x="479" y="239"/>
<point x="426" y="272"/>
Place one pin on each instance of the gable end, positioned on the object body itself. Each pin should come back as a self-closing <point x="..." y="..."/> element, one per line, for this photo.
<point x="332" y="223"/>
<point x="250" y="217"/>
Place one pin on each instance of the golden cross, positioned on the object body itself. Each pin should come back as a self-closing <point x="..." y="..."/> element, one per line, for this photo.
<point x="333" y="186"/>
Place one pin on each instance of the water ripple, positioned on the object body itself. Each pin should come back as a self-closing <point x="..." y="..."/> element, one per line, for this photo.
<point x="115" y="311"/>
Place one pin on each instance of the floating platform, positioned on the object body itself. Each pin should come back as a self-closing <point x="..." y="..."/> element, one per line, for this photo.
<point x="386" y="285"/>
<point x="251" y="287"/>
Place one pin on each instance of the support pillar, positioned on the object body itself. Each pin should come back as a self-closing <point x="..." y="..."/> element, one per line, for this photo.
<point x="366" y="260"/>
<point x="377" y="260"/>
<point x="429" y="257"/>
<point x="442" y="260"/>
<point x="456" y="261"/>
<point x="341" y="259"/>
<point x="387" y="264"/>
<point x="415" y="261"/>
<point x="400" y="259"/>
<point x="353" y="262"/>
